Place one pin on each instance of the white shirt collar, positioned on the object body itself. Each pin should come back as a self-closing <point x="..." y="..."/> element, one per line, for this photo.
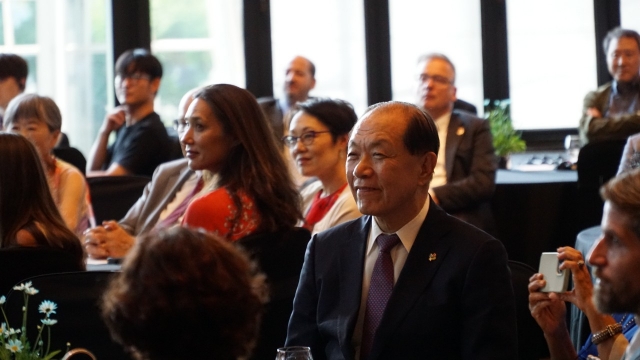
<point x="407" y="233"/>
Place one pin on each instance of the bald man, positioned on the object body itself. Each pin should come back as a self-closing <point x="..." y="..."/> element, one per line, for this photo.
<point x="171" y="184"/>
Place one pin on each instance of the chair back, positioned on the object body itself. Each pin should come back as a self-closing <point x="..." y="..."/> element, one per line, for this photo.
<point x="280" y="256"/>
<point x="531" y="342"/>
<point x="18" y="263"/>
<point x="112" y="196"/>
<point x="77" y="295"/>
<point x="597" y="163"/>
<point x="73" y="156"/>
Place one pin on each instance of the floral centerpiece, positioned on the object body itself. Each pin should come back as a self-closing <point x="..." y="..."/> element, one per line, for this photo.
<point x="14" y="344"/>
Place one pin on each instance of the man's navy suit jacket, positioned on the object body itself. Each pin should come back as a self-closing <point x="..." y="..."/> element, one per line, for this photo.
<point x="452" y="300"/>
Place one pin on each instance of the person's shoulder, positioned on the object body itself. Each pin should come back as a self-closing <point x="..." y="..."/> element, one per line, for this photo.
<point x="345" y="231"/>
<point x="173" y="166"/>
<point x="467" y="117"/>
<point x="267" y="100"/>
<point x="461" y="231"/>
<point x="602" y="90"/>
<point x="311" y="189"/>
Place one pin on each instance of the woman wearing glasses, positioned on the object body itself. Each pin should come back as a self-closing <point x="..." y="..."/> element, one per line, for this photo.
<point x="226" y="136"/>
<point x="317" y="140"/>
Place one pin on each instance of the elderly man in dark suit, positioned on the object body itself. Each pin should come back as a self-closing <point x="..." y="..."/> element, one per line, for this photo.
<point x="465" y="173"/>
<point x="407" y="280"/>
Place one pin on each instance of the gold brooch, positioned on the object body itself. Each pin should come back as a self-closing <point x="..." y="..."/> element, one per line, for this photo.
<point x="432" y="256"/>
<point x="460" y="131"/>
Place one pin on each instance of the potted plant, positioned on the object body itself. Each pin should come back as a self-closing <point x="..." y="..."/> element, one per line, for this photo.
<point x="506" y="140"/>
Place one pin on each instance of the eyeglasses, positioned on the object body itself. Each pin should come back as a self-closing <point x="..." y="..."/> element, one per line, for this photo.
<point x="423" y="78"/>
<point x="306" y="138"/>
<point x="179" y="125"/>
<point x="133" y="78"/>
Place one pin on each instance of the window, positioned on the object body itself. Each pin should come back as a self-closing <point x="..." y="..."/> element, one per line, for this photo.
<point x="552" y="63"/>
<point x="629" y="10"/>
<point x="452" y="28"/>
<point x="66" y="47"/>
<point x="198" y="42"/>
<point x="330" y="33"/>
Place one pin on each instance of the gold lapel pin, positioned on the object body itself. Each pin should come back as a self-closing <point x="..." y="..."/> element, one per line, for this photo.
<point x="432" y="256"/>
<point x="460" y="131"/>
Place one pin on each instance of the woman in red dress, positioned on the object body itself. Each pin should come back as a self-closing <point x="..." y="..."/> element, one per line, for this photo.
<point x="228" y="137"/>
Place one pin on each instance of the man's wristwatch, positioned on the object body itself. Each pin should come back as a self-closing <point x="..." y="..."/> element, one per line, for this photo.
<point x="608" y="332"/>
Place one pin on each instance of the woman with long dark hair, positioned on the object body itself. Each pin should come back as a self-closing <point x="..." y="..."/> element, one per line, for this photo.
<point x="28" y="215"/>
<point x="229" y="139"/>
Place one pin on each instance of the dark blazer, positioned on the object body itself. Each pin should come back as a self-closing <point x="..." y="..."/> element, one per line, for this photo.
<point x="458" y="306"/>
<point x="274" y="114"/>
<point x="471" y="171"/>
<point x="166" y="182"/>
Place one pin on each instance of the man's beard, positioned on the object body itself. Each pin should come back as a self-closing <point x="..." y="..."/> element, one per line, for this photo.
<point x="611" y="298"/>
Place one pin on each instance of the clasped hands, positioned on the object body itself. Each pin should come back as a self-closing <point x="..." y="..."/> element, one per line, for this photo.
<point x="108" y="240"/>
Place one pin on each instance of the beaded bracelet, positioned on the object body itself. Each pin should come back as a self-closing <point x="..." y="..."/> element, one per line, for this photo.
<point x="607" y="333"/>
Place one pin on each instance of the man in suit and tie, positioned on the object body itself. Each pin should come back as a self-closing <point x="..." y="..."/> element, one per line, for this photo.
<point x="406" y="280"/>
<point x="465" y="176"/>
<point x="159" y="205"/>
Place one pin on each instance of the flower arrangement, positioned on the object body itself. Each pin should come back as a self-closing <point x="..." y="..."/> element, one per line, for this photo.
<point x="14" y="344"/>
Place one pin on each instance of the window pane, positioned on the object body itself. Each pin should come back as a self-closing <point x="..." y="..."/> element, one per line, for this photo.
<point x="330" y="33"/>
<point x="24" y="21"/>
<point x="551" y="67"/>
<point x="198" y="42"/>
<point x="182" y="71"/>
<point x="417" y="29"/>
<point x="629" y="10"/>
<point x="98" y="22"/>
<point x="183" y="19"/>
<point x="1" y="23"/>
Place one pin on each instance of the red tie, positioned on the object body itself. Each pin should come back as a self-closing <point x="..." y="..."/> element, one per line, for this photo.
<point x="380" y="290"/>
<point x="179" y="211"/>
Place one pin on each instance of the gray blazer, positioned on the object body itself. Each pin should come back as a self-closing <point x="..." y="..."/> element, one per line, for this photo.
<point x="166" y="182"/>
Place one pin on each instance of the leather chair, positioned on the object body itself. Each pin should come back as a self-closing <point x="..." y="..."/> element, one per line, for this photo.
<point x="531" y="342"/>
<point x="73" y="156"/>
<point x="113" y="196"/>
<point x="77" y="295"/>
<point x="597" y="163"/>
<point x="18" y="263"/>
<point x="280" y="257"/>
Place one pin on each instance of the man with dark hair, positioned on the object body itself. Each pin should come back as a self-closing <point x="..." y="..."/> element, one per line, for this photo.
<point x="615" y="255"/>
<point x="465" y="173"/>
<point x="406" y="280"/>
<point x="612" y="112"/>
<point x="13" y="79"/>
<point x="141" y="142"/>
<point x="299" y="81"/>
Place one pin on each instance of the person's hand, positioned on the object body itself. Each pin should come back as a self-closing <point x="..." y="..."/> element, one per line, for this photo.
<point x="108" y="240"/>
<point x="546" y="308"/>
<point x="594" y="112"/>
<point x="114" y="120"/>
<point x="582" y="293"/>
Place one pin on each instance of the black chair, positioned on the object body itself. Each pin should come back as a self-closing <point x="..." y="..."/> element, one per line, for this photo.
<point x="77" y="295"/>
<point x="73" y="156"/>
<point x="280" y="257"/>
<point x="113" y="196"/>
<point x="597" y="163"/>
<point x="531" y="342"/>
<point x="18" y="263"/>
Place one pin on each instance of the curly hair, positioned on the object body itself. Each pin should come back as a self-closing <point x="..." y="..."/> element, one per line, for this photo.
<point x="184" y="294"/>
